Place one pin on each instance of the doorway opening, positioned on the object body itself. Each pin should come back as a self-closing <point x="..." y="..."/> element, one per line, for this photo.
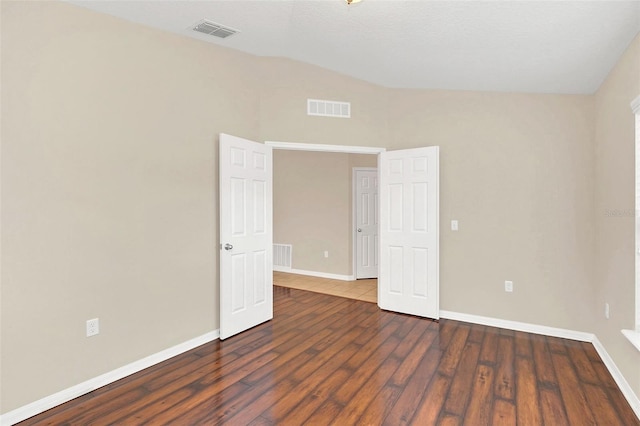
<point x="313" y="214"/>
<point x="408" y="270"/>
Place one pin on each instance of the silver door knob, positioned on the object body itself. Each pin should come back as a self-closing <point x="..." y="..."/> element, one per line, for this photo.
<point x="359" y="230"/>
<point x="228" y="246"/>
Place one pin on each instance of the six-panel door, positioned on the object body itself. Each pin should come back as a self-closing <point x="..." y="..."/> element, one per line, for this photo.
<point x="246" y="267"/>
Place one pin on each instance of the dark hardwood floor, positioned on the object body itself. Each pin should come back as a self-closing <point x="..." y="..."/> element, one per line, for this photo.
<point x="330" y="360"/>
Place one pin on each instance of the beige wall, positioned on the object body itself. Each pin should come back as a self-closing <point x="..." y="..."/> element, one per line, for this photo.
<point x="108" y="202"/>
<point x="286" y="86"/>
<point x="109" y="177"/>
<point x="517" y="172"/>
<point x="312" y="207"/>
<point x="615" y="177"/>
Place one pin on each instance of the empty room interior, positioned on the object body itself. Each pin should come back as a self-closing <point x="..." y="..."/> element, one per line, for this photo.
<point x="314" y="215"/>
<point x="112" y="114"/>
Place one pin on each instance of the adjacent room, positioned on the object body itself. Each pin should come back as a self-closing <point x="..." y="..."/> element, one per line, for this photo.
<point x="314" y="217"/>
<point x="111" y="233"/>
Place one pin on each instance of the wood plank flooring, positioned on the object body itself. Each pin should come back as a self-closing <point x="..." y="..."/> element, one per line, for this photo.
<point x="327" y="360"/>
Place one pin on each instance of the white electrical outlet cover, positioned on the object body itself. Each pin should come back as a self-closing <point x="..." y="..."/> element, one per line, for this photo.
<point x="93" y="327"/>
<point x="508" y="286"/>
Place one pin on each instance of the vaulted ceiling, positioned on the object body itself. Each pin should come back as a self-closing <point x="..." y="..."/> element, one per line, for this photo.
<point x="517" y="46"/>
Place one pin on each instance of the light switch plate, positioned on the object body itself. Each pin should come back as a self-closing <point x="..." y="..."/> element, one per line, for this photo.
<point x="508" y="286"/>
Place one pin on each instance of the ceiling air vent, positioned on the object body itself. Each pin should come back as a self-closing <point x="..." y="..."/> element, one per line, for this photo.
<point x="328" y="108"/>
<point x="217" y="30"/>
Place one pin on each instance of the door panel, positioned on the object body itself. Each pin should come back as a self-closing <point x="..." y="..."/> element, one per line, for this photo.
<point x="408" y="280"/>
<point x="246" y="276"/>
<point x="366" y="194"/>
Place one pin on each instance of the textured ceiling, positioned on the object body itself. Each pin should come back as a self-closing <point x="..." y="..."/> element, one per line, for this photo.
<point x="519" y="46"/>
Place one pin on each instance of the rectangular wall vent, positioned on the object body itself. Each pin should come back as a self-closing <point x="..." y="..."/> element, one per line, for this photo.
<point x="328" y="108"/>
<point x="282" y="257"/>
<point x="216" y="30"/>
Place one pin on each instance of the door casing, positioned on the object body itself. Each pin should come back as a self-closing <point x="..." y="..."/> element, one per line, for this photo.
<point x="294" y="146"/>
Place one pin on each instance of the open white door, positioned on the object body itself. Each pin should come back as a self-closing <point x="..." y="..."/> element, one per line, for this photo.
<point x="408" y="279"/>
<point x="246" y="235"/>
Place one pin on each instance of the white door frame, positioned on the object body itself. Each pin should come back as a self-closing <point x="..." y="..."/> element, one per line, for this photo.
<point x="294" y="146"/>
<point x="354" y="219"/>
<point x="346" y="149"/>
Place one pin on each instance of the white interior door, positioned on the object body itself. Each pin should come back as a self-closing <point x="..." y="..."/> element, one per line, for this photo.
<point x="366" y="223"/>
<point x="408" y="280"/>
<point x="246" y="234"/>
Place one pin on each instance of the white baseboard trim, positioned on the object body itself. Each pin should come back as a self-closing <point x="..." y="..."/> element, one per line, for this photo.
<point x="319" y="274"/>
<point x="44" y="404"/>
<point x="622" y="383"/>
<point x="633" y="336"/>
<point x="519" y="326"/>
<point x="281" y="268"/>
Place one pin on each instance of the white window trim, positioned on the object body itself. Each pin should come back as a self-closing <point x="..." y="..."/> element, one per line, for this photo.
<point x="634" y="335"/>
